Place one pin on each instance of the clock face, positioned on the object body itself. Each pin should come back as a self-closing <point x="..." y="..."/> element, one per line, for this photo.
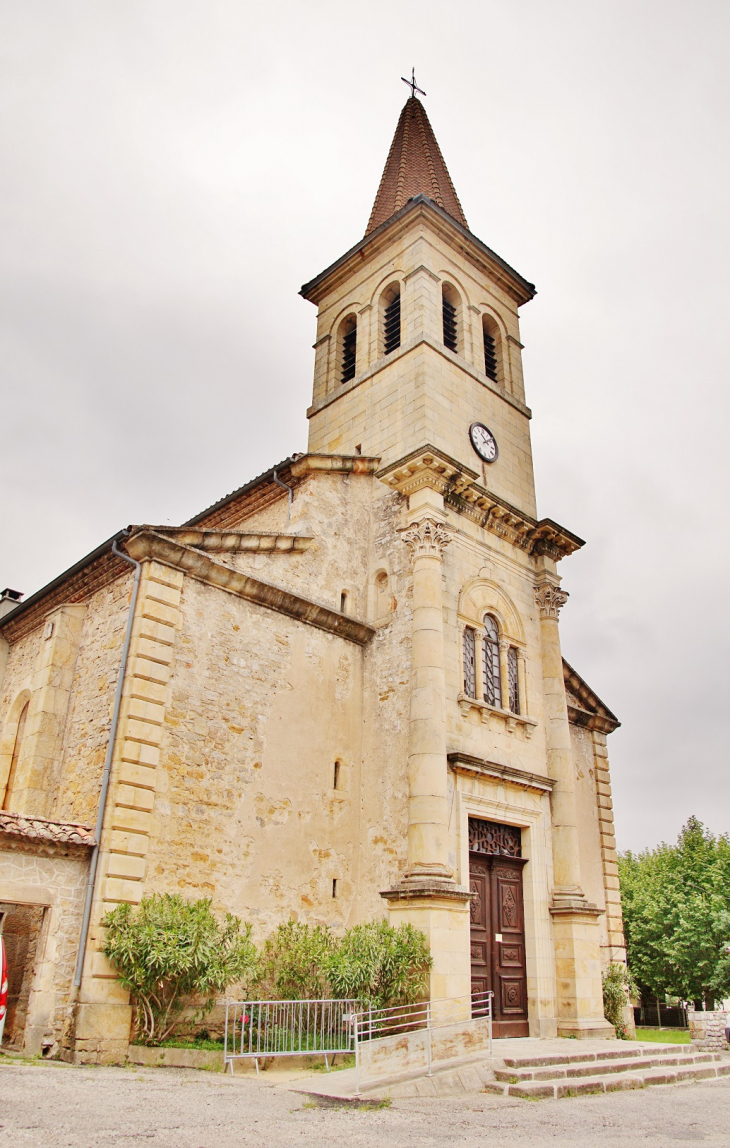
<point x="483" y="441"/>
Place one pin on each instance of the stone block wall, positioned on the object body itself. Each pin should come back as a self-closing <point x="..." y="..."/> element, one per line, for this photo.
<point x="707" y="1029"/>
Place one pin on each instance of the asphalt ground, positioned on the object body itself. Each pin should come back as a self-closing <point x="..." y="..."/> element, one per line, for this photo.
<point x="44" y="1104"/>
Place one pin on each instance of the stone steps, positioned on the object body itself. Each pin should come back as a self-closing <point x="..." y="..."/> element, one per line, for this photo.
<point x="576" y="1075"/>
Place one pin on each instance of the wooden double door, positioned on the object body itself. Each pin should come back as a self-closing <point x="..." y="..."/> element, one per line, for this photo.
<point x="498" y="939"/>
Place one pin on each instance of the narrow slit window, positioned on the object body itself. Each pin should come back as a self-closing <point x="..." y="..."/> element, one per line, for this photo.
<point x="336" y="777"/>
<point x="391" y="325"/>
<point x="450" y="325"/>
<point x="349" y="349"/>
<point x="491" y="669"/>
<point x="334" y="886"/>
<point x="513" y="679"/>
<point x="343" y="602"/>
<point x="490" y="356"/>
<point x="470" y="677"/>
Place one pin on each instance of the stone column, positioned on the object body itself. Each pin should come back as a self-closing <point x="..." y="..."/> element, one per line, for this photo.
<point x="427" y="897"/>
<point x="575" y="921"/>
<point x="522" y="681"/>
<point x="427" y="800"/>
<point x="504" y="672"/>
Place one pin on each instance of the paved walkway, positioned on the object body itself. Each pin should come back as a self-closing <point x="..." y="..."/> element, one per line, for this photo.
<point x="43" y="1105"/>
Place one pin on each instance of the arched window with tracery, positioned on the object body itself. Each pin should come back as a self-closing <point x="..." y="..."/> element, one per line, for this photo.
<point x="492" y="676"/>
<point x="16" y="755"/>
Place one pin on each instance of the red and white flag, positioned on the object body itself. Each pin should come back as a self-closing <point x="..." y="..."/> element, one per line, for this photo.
<point x="3" y="986"/>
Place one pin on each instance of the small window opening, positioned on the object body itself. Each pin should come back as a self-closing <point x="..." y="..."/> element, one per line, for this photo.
<point x="450" y="326"/>
<point x="391" y="322"/>
<point x="334" y="886"/>
<point x="343" y="602"/>
<point x="490" y="355"/>
<point x="470" y="678"/>
<point x="349" y="349"/>
<point x="513" y="679"/>
<point x="491" y="667"/>
<point x="336" y="778"/>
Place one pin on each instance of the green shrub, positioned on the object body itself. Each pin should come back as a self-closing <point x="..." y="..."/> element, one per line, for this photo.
<point x="380" y="965"/>
<point x="616" y="988"/>
<point x="293" y="964"/>
<point x="172" y="954"/>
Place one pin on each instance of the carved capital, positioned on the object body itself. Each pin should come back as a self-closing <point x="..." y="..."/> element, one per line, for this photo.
<point x="427" y="539"/>
<point x="550" y="599"/>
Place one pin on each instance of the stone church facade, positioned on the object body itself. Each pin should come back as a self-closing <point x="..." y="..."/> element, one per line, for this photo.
<point x="341" y="688"/>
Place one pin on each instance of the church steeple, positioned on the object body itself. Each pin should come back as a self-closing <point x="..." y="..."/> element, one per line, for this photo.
<point x="414" y="166"/>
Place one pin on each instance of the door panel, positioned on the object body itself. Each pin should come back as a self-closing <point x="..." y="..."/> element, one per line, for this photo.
<point x="498" y="939"/>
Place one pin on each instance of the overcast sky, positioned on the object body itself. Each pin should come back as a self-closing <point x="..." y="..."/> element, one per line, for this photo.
<point x="172" y="171"/>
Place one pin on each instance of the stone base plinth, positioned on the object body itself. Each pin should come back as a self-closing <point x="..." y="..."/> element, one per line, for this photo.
<point x="440" y="909"/>
<point x="578" y="973"/>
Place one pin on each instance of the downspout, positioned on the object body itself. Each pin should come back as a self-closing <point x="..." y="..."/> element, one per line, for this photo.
<point x="107" y="764"/>
<point x="290" y="490"/>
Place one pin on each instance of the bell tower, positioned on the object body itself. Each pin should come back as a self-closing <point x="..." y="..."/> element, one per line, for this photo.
<point x="418" y="331"/>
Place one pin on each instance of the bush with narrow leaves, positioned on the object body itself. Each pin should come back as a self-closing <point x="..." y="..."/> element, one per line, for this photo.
<point x="617" y="985"/>
<point x="173" y="955"/>
<point x="381" y="965"/>
<point x="293" y="963"/>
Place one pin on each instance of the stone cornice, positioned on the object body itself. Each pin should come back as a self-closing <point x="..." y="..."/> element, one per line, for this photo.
<point x="337" y="463"/>
<point x="433" y="468"/>
<point x="420" y="210"/>
<point x="479" y="767"/>
<point x="235" y="541"/>
<point x="145" y="543"/>
<point x="592" y="713"/>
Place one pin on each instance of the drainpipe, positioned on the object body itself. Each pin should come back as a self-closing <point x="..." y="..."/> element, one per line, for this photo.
<point x="290" y="490"/>
<point x="107" y="763"/>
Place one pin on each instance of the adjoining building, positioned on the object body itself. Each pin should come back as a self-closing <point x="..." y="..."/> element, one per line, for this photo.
<point x="344" y="695"/>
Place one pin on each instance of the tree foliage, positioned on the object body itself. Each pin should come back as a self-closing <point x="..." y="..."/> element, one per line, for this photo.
<point x="172" y="954"/>
<point x="676" y="905"/>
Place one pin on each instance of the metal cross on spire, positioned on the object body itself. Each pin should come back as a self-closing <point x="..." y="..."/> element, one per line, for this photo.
<point x="412" y="83"/>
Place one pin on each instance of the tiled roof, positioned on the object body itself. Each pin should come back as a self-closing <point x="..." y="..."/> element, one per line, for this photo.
<point x="40" y="829"/>
<point x="414" y="166"/>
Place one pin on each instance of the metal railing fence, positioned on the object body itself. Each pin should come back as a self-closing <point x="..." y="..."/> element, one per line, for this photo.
<point x="257" y="1030"/>
<point x="260" y="1029"/>
<point x="427" y="1016"/>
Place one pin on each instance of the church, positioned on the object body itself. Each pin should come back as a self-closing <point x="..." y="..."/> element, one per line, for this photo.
<point x="337" y="694"/>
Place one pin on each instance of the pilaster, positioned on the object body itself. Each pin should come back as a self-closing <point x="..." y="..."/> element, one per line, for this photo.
<point x="104" y="1013"/>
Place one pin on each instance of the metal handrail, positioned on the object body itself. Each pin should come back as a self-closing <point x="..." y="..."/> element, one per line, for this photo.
<point x="259" y="1029"/>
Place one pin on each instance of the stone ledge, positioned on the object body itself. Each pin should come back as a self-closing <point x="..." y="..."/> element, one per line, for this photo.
<point x="476" y="766"/>
<point x="485" y="711"/>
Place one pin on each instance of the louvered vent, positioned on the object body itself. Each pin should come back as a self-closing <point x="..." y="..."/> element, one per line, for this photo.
<point x="392" y="325"/>
<point x="490" y="356"/>
<point x="449" y="325"/>
<point x="349" y="353"/>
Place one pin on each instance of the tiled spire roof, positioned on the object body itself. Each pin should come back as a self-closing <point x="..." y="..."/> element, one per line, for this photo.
<point x="414" y="166"/>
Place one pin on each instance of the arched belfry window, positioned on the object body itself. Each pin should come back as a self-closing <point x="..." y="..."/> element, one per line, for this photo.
<point x="492" y="677"/>
<point x="450" y="314"/>
<point x="348" y="348"/>
<point x="391" y="319"/>
<point x="491" y="348"/>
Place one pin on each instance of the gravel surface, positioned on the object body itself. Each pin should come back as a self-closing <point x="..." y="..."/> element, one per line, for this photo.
<point x="53" y="1104"/>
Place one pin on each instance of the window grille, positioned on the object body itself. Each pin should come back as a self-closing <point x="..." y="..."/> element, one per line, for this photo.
<point x="392" y="325"/>
<point x="490" y="356"/>
<point x="492" y="675"/>
<point x="349" y="353"/>
<point x="491" y="837"/>
<point x="450" y="331"/>
<point x="514" y="685"/>
<point x="470" y="676"/>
